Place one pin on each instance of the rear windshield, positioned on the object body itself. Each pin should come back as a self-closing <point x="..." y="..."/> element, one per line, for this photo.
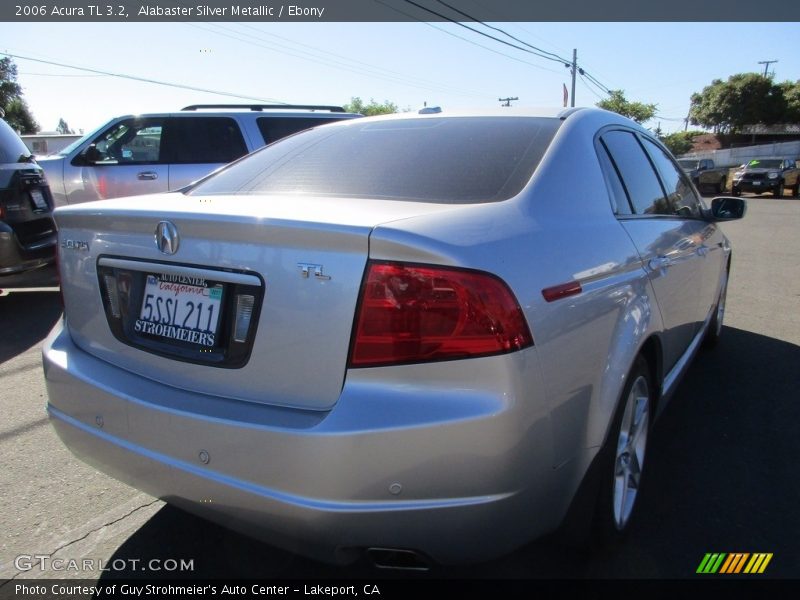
<point x="12" y="149"/>
<point x="456" y="160"/>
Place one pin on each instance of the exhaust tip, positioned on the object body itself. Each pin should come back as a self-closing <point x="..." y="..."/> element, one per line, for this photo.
<point x="400" y="560"/>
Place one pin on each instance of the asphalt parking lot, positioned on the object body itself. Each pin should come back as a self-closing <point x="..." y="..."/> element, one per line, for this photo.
<point x="722" y="464"/>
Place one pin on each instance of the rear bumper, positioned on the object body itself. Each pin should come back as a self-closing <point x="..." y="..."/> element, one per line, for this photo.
<point x="757" y="187"/>
<point x="22" y="267"/>
<point x="457" y="487"/>
<point x="33" y="274"/>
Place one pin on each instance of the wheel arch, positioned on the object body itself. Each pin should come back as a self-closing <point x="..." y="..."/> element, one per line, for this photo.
<point x="637" y="333"/>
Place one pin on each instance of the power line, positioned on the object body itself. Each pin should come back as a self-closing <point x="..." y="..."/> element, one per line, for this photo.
<point x="681" y="119"/>
<point x="28" y="73"/>
<point x="484" y="34"/>
<point x="533" y="49"/>
<point x="372" y="71"/>
<point x="463" y="39"/>
<point x="390" y="72"/>
<point x="141" y="79"/>
<point x="516" y="39"/>
<point x="586" y="85"/>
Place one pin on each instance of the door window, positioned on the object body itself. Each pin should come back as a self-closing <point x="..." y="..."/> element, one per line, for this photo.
<point x="128" y="142"/>
<point x="681" y="199"/>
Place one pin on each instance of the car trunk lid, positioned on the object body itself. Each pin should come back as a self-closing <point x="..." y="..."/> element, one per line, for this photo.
<point x="293" y="265"/>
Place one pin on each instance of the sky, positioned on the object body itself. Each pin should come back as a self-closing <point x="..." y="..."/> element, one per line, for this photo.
<point x="410" y="64"/>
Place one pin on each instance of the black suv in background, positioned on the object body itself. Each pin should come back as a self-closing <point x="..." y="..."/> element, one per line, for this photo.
<point x="762" y="175"/>
<point x="27" y="230"/>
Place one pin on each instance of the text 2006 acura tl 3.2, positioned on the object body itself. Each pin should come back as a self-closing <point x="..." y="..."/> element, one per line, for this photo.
<point x="425" y="336"/>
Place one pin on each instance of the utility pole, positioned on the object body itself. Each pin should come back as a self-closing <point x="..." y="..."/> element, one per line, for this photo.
<point x="574" y="74"/>
<point x="766" y="64"/>
<point x="507" y="101"/>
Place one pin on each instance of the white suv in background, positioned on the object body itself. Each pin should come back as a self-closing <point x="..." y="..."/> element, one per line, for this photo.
<point x="160" y="152"/>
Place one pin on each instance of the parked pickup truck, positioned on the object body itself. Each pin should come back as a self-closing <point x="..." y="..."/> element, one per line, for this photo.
<point x="764" y="175"/>
<point x="704" y="174"/>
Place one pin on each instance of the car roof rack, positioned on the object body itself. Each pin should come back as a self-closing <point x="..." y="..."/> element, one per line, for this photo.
<point x="260" y="107"/>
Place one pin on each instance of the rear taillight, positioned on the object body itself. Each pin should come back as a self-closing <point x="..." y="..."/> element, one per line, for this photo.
<point x="413" y="313"/>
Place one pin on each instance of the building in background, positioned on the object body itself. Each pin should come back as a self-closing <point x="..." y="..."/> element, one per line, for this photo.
<point x="49" y="142"/>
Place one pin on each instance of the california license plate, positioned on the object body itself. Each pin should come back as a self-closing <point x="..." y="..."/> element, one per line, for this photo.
<point x="181" y="308"/>
<point x="37" y="198"/>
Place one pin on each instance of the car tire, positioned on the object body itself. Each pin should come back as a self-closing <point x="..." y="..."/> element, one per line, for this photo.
<point x="721" y="187"/>
<point x="778" y="191"/>
<point x="736" y="191"/>
<point x="714" y="330"/>
<point x="797" y="188"/>
<point x="625" y="450"/>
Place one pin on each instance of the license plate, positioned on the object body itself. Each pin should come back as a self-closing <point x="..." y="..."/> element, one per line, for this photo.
<point x="181" y="308"/>
<point x="756" y="183"/>
<point x="37" y="198"/>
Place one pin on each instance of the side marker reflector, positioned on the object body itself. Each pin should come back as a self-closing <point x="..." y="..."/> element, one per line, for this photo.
<point x="564" y="290"/>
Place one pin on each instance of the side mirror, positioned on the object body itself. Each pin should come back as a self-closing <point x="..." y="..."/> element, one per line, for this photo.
<point x="727" y="208"/>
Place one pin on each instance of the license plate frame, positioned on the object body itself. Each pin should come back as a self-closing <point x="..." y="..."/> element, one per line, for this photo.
<point x="177" y="309"/>
<point x="38" y="201"/>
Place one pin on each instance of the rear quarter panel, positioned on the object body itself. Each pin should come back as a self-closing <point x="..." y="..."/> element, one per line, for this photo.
<point x="559" y="229"/>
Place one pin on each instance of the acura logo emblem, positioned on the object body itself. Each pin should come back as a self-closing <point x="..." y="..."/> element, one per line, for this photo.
<point x="167" y="238"/>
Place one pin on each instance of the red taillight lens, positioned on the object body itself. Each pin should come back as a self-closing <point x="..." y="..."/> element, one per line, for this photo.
<point x="411" y="313"/>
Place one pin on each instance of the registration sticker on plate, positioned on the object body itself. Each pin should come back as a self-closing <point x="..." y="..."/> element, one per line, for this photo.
<point x="37" y="198"/>
<point x="180" y="308"/>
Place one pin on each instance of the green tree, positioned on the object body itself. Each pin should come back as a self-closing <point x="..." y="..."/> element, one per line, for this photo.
<point x="680" y="142"/>
<point x="63" y="127"/>
<point x="791" y="93"/>
<point x="638" y="111"/>
<point x="357" y="105"/>
<point x="17" y="113"/>
<point x="745" y="99"/>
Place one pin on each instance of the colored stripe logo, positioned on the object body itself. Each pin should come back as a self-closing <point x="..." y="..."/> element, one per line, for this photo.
<point x="734" y="563"/>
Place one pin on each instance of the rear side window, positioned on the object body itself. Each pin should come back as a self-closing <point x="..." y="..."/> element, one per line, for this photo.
<point x="640" y="180"/>
<point x="619" y="199"/>
<point x="197" y="140"/>
<point x="12" y="148"/>
<point x="456" y="160"/>
<point x="274" y="128"/>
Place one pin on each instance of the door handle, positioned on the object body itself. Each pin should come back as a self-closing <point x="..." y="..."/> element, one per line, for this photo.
<point x="658" y="263"/>
<point x="147" y="175"/>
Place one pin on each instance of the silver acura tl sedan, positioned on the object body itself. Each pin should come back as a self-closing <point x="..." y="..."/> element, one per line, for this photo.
<point x="427" y="337"/>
